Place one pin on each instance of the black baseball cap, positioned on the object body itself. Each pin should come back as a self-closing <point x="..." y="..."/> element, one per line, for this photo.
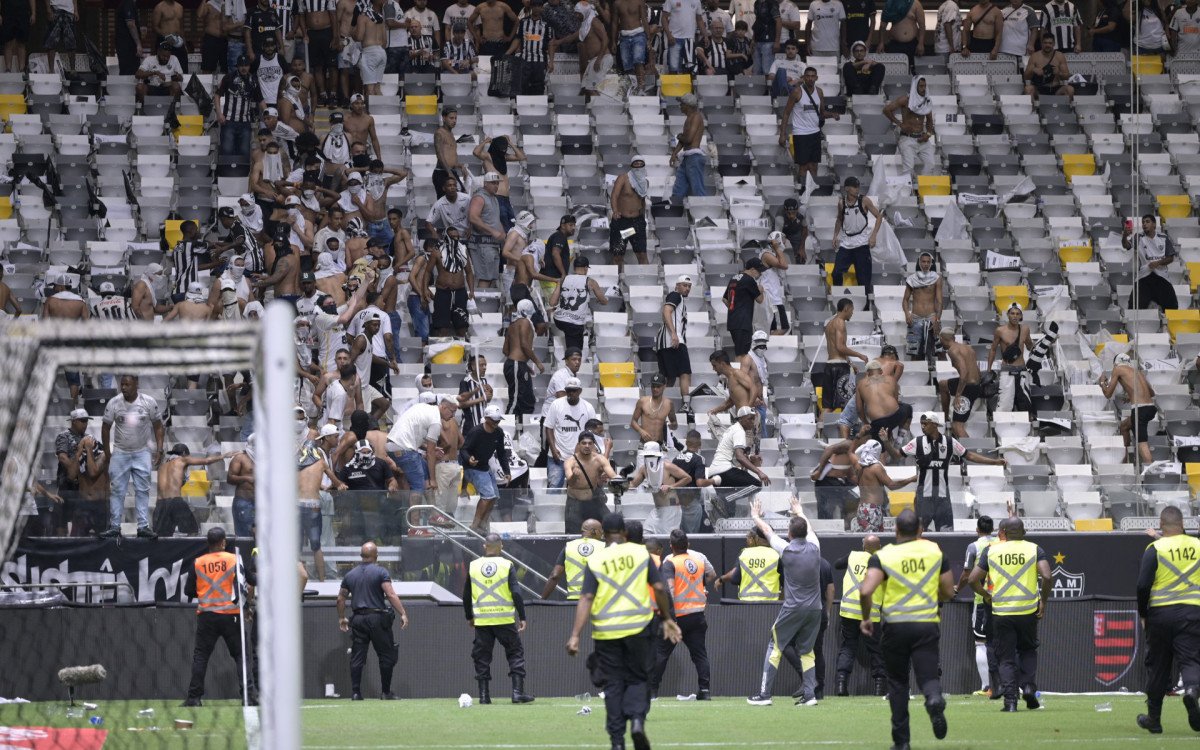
<point x="756" y="264"/>
<point x="791" y="204"/>
<point x="307" y="276"/>
<point x="336" y="117"/>
<point x="226" y="211"/>
<point x="658" y="379"/>
<point x="242" y="60"/>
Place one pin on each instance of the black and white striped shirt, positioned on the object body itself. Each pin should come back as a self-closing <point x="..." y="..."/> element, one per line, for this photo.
<point x="240" y="96"/>
<point x="715" y="51"/>
<point x="459" y="52"/>
<point x="186" y="259"/>
<point x="241" y="235"/>
<point x="112" y="307"/>
<point x="678" y="319"/>
<point x="453" y="255"/>
<point x="316" y="6"/>
<point x="1060" y="19"/>
<point x="535" y="36"/>
<point x="933" y="458"/>
<point x="285" y="9"/>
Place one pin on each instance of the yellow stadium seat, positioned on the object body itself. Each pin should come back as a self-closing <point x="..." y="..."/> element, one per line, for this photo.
<point x="933" y="184"/>
<point x="1147" y="65"/>
<point x="618" y="374"/>
<point x="1006" y="295"/>
<point x="1193" y="275"/>
<point x="197" y="484"/>
<point x="1174" y="206"/>
<point x="192" y="125"/>
<point x="1074" y="254"/>
<point x="1094" y="524"/>
<point x="452" y="355"/>
<point x="675" y="85"/>
<point x="1182" y="321"/>
<point x="421" y="105"/>
<point x="1078" y="165"/>
<point x="173" y="232"/>
<point x="1193" y="477"/>
<point x="6" y="211"/>
<point x="12" y="104"/>
<point x="900" y="501"/>
<point x="848" y="277"/>
<point x="1117" y="338"/>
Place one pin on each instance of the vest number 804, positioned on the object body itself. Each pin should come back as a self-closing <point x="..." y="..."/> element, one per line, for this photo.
<point x="618" y="564"/>
<point x="909" y="567"/>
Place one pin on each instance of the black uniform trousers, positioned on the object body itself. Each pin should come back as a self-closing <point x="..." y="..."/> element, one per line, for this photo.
<point x="372" y="628"/>
<point x="1172" y="644"/>
<point x="694" y="628"/>
<point x="211" y="627"/>
<point x="1014" y="638"/>
<point x="905" y="645"/>
<point x="848" y="651"/>
<point x="485" y="642"/>
<point x="624" y="665"/>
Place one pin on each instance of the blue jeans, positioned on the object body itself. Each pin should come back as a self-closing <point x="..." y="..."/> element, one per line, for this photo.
<point x="235" y="138"/>
<point x="412" y="463"/>
<point x="633" y="51"/>
<point x="247" y="425"/>
<point x="556" y="474"/>
<point x="762" y="420"/>
<point x="420" y="318"/>
<point x="243" y="516"/>
<point x="675" y="56"/>
<point x="765" y="55"/>
<point x="779" y="86"/>
<point x="381" y="230"/>
<point x="394" y="315"/>
<point x="484" y="482"/>
<point x="122" y="466"/>
<point x="689" y="177"/>
<point x="233" y="51"/>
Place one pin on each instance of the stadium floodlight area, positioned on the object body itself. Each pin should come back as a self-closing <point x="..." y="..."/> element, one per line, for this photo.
<point x="35" y="351"/>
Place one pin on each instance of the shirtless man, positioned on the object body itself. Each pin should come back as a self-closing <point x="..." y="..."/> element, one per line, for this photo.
<point x="266" y="176"/>
<point x="915" y="126"/>
<point x="662" y="478"/>
<point x="306" y="93"/>
<point x="285" y="272"/>
<point x="518" y="353"/>
<point x="1047" y="72"/>
<point x="587" y="473"/>
<point x="1011" y="340"/>
<point x="594" y="60"/>
<point x="628" y="203"/>
<point x="877" y="399"/>
<point x="314" y="466"/>
<point x="922" y="305"/>
<point x="64" y="304"/>
<point x="1140" y="396"/>
<point x="959" y="394"/>
<point x="835" y="475"/>
<point x="525" y="267"/>
<point x="653" y="413"/>
<point x="7" y="302"/>
<point x="322" y="56"/>
<point x="906" y="36"/>
<point x="372" y="34"/>
<point x="241" y="476"/>
<point x="450" y="473"/>
<point x="344" y="30"/>
<point x="446" y="149"/>
<point x="357" y="424"/>
<point x="687" y="150"/>
<point x="172" y="511"/>
<point x="873" y="484"/>
<point x="144" y="301"/>
<point x="91" y="509"/>
<point x="982" y="28"/>
<point x="339" y="393"/>
<point x="741" y="386"/>
<point x="454" y="284"/>
<point x="490" y="36"/>
<point x="167" y="20"/>
<point x="194" y="306"/>
<point x="839" y="379"/>
<point x="360" y="126"/>
<point x="630" y="20"/>
<point x="212" y="45"/>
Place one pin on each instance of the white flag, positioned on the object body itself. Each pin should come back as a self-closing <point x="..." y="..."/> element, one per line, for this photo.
<point x="888" y="250"/>
<point x="1024" y="187"/>
<point x="993" y="261"/>
<point x="954" y="225"/>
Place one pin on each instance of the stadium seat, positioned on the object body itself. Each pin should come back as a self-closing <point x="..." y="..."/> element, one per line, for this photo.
<point x="12" y="104"/>
<point x="675" y="85"/>
<point x="617" y="374"/>
<point x="417" y="104"/>
<point x="899" y="501"/>
<point x="1146" y="65"/>
<point x="1078" y="165"/>
<point x="1182" y="321"/>
<point x="1074" y="253"/>
<point x="1005" y="296"/>
<point x="929" y="185"/>
<point x="1174" y="206"/>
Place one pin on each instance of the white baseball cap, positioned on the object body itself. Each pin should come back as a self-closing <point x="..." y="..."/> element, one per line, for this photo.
<point x="760" y="336"/>
<point x="328" y="430"/>
<point x="491" y="177"/>
<point x="573" y="384"/>
<point x="652" y="449"/>
<point x="494" y="413"/>
<point x="743" y="412"/>
<point x="108" y="288"/>
<point x="427" y="397"/>
<point x="79" y="414"/>
<point x="684" y="279"/>
<point x="933" y="416"/>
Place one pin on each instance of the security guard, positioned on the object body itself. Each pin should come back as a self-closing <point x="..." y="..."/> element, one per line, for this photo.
<point x="573" y="560"/>
<point x="757" y="571"/>
<point x="850" y="615"/>
<point x="217" y="588"/>
<point x="689" y="575"/>
<point x="1012" y="567"/>
<point x="617" y="601"/>
<point x="496" y="610"/>
<point x="911" y="576"/>
<point x="1168" y="593"/>
<point x="368" y="584"/>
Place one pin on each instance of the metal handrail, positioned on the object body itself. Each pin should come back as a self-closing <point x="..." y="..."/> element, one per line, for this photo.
<point x="441" y="531"/>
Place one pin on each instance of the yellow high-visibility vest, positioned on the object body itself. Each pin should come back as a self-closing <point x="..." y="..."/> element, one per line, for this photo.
<point x="621" y="607"/>
<point x="759" y="567"/>
<point x="856" y="570"/>
<point x="1177" y="580"/>
<point x="575" y="558"/>
<point x="910" y="590"/>
<point x="1013" y="578"/>
<point x="491" y="598"/>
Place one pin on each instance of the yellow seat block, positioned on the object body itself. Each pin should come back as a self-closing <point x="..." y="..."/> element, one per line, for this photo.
<point x="1117" y="338"/>
<point x="1094" y="524"/>
<point x="1182" y="321"/>
<point x="618" y="374"/>
<point x="1074" y="254"/>
<point x="197" y="484"/>
<point x="675" y="85"/>
<point x="900" y="501"/>
<point x="1193" y="275"/>
<point x="1078" y="165"/>
<point x="1193" y="477"/>
<point x="172" y="232"/>
<point x="12" y="104"/>
<point x="6" y="211"/>
<point x="933" y="184"/>
<point x="849" y="278"/>
<point x="191" y="125"/>
<point x="421" y="104"/>
<point x="1006" y="295"/>
<point x="1147" y="65"/>
<point x="1174" y="206"/>
<point x="452" y="355"/>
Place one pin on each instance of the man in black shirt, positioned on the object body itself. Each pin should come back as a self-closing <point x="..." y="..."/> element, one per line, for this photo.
<point x="482" y="442"/>
<point x="129" y="38"/>
<point x="795" y="229"/>
<point x="767" y="27"/>
<point x="740" y="297"/>
<point x="558" y="253"/>
<point x="262" y="22"/>
<point x="368" y="478"/>
<point x="690" y="501"/>
<point x="368" y="585"/>
<point x="860" y="20"/>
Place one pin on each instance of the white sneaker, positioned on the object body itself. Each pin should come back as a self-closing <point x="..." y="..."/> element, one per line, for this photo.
<point x="809" y="702"/>
<point x="759" y="700"/>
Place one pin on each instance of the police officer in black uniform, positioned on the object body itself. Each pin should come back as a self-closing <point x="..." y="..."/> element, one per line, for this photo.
<point x="370" y="623"/>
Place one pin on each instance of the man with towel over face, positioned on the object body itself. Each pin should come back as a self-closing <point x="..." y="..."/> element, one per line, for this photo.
<point x="916" y="127"/>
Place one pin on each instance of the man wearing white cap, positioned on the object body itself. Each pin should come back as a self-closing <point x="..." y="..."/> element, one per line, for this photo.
<point x="934" y="452"/>
<point x="194" y="305"/>
<point x="564" y="423"/>
<point x="1140" y="396"/>
<point x="662" y="478"/>
<point x="627" y="227"/>
<point x="486" y="231"/>
<point x="670" y="346"/>
<point x="483" y="442"/>
<point x="1011" y="340"/>
<point x="64" y="304"/>
<point x="731" y="465"/>
<point x="110" y="305"/>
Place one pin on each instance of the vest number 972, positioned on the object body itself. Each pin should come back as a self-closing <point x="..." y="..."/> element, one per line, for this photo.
<point x="1011" y="558"/>
<point x="1182" y="553"/>
<point x="909" y="567"/>
<point x="618" y="564"/>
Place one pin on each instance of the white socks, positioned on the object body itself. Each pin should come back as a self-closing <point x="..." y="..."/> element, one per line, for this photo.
<point x="981" y="663"/>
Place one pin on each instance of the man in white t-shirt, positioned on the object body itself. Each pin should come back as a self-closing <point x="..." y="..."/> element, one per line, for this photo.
<point x="564" y="422"/>
<point x="681" y="19"/>
<point x="947" y="38"/>
<point x="159" y="74"/>
<point x="826" y="27"/>
<point x="458" y="14"/>
<point x="557" y="387"/>
<point x="785" y="73"/>
<point x="414" y="439"/>
<point x="1183" y="33"/>
<point x="1019" y="35"/>
<point x="731" y="466"/>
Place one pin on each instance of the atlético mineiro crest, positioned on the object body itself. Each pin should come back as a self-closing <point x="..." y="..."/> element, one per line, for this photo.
<point x="1067" y="585"/>
<point x="1115" y="638"/>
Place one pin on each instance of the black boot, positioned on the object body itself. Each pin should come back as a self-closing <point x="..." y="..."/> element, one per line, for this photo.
<point x="518" y="695"/>
<point x="842" y="688"/>
<point x="936" y="708"/>
<point x="637" y="730"/>
<point x="1191" y="701"/>
<point x="485" y="692"/>
<point x="1010" y="705"/>
<point x="1029" y="694"/>
<point x="1150" y="723"/>
<point x="880" y="687"/>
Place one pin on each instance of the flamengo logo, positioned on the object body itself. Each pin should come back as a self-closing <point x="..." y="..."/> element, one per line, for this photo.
<point x="46" y="738"/>
<point x="1115" y="638"/>
<point x="1067" y="585"/>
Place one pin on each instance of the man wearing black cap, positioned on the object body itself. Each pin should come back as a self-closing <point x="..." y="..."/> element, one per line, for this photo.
<point x="795" y="229"/>
<point x="558" y="252"/>
<point x="172" y="512"/>
<point x="159" y="74"/>
<point x="742" y="294"/>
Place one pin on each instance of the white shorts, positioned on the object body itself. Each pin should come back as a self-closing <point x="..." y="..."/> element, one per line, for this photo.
<point x="371" y="65"/>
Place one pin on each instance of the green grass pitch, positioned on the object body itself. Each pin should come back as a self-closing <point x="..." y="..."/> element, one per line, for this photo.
<point x="553" y="723"/>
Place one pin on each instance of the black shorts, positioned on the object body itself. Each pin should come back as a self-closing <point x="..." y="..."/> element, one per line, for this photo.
<point x="742" y="339"/>
<point x="981" y="46"/>
<point x="379" y="380"/>
<point x="779" y="321"/>
<point x="981" y="620"/>
<point x="1140" y="417"/>
<point x="320" y="52"/>
<point x="213" y="50"/>
<point x="450" y="309"/>
<point x="838" y="386"/>
<point x="806" y="149"/>
<point x="617" y="245"/>
<point x="898" y="418"/>
<point x="971" y="392"/>
<point x="674" y="362"/>
<point x="16" y="26"/>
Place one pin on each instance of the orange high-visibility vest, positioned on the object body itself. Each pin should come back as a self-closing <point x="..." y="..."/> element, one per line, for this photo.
<point x="688" y="584"/>
<point x="216" y="581"/>
<point x="653" y="600"/>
